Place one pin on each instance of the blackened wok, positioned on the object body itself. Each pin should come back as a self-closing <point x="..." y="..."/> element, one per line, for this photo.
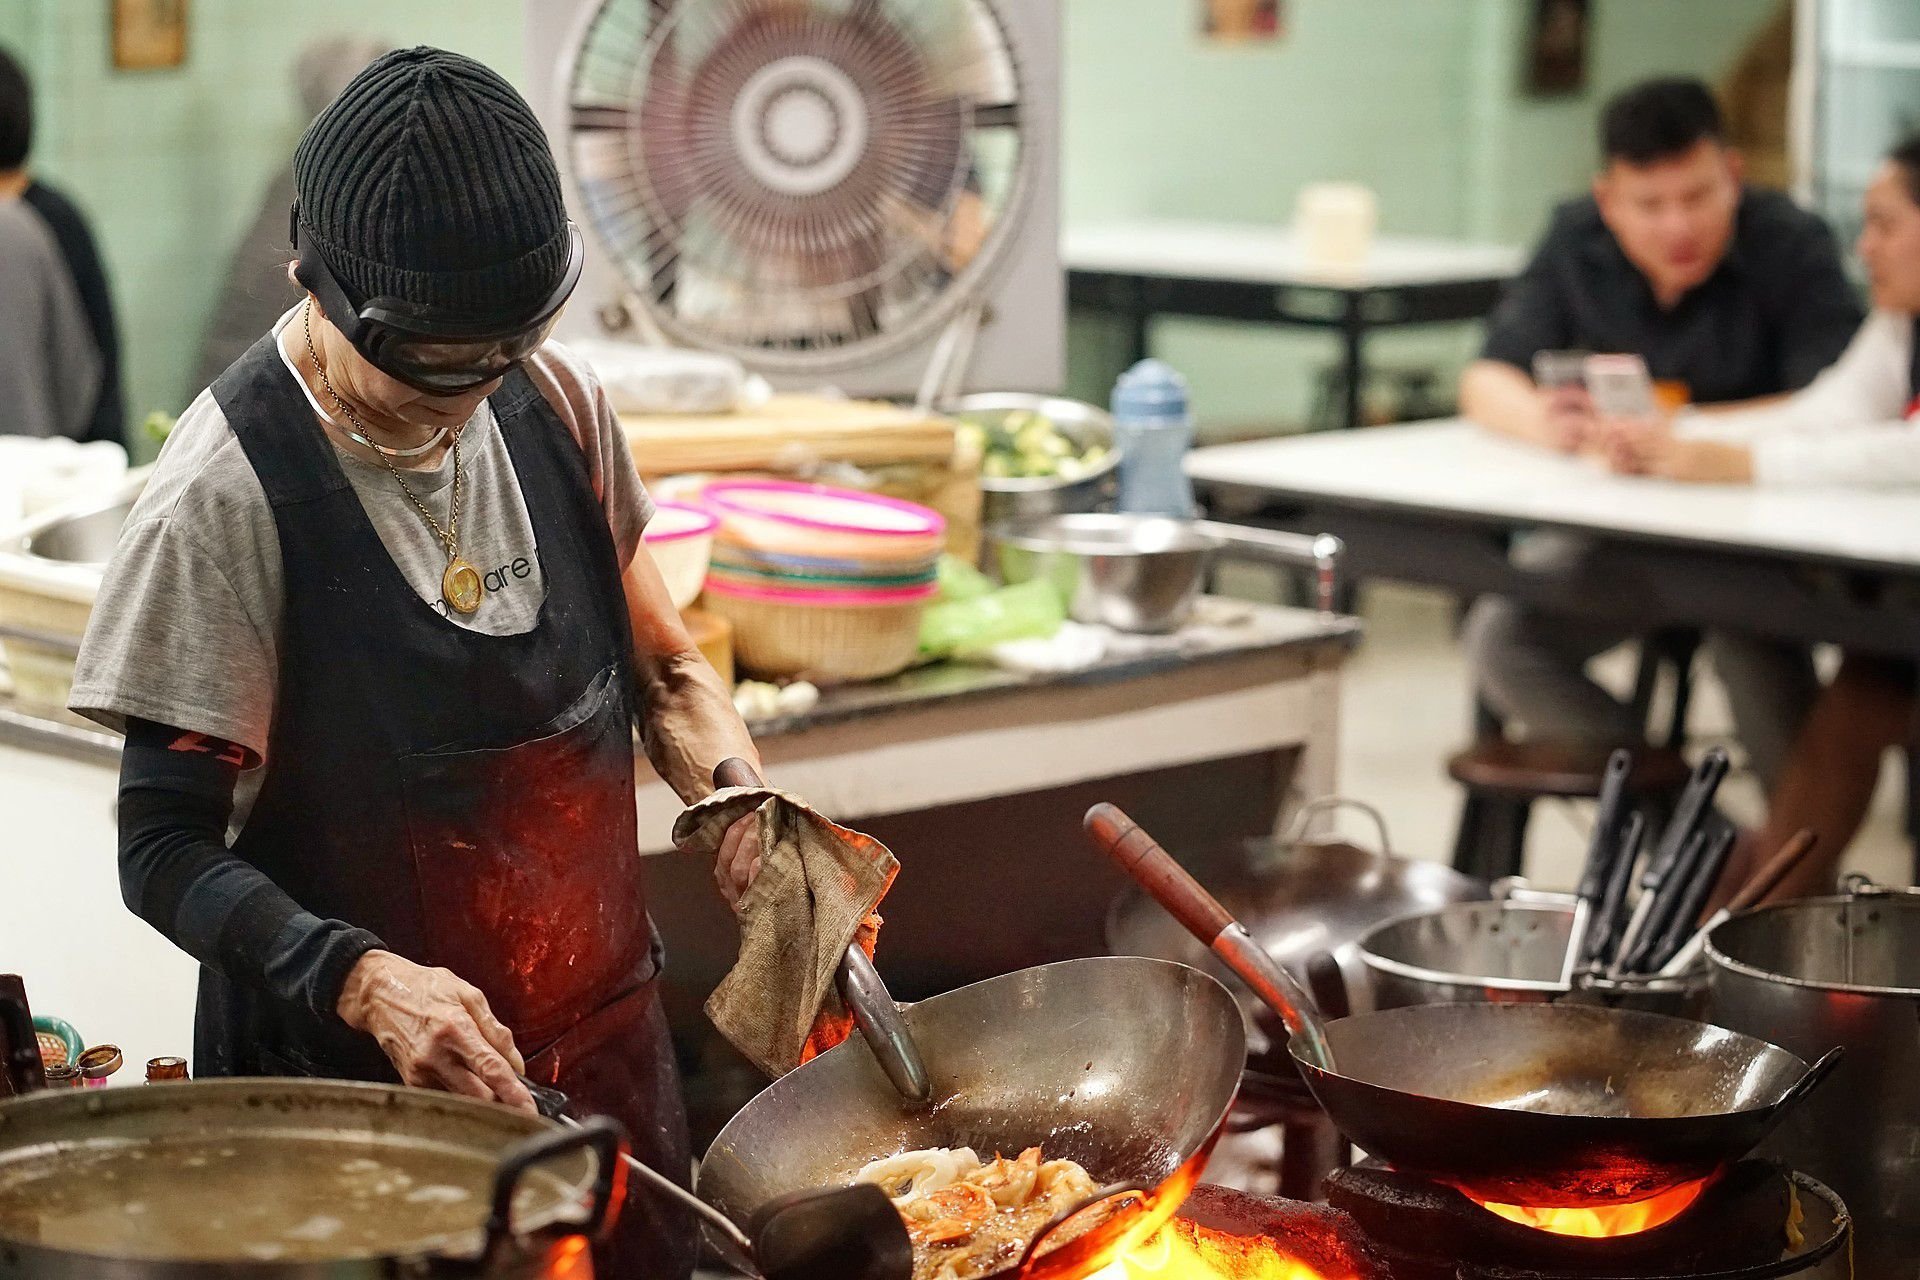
<point x="1541" y="1105"/>
<point x="1124" y="1064"/>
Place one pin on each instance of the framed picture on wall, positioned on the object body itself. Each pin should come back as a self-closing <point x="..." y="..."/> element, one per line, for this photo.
<point x="149" y="35"/>
<point x="1557" y="47"/>
<point x="1242" y="21"/>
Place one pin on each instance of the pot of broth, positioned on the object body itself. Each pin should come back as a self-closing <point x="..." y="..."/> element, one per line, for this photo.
<point x="296" y="1179"/>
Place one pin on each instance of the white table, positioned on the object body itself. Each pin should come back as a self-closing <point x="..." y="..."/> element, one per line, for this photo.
<point x="1435" y="502"/>
<point x="1259" y="274"/>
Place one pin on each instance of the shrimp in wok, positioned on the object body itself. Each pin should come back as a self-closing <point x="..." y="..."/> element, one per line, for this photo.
<point x="969" y="1217"/>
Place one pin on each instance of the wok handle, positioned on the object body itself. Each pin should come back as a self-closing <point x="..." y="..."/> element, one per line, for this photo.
<point x="1156" y="871"/>
<point x="885" y="1031"/>
<point x="1806" y="1084"/>
<point x="602" y="1135"/>
<point x="1110" y="1192"/>
<point x="866" y="996"/>
<point x="1170" y="884"/>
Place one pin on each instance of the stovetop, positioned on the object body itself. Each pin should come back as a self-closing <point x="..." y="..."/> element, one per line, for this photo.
<point x="1383" y="1225"/>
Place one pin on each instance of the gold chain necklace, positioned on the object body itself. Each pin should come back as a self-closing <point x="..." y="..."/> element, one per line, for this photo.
<point x="461" y="585"/>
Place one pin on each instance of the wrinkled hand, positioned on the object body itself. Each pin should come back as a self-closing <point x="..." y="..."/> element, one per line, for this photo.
<point x="436" y="1029"/>
<point x="738" y="861"/>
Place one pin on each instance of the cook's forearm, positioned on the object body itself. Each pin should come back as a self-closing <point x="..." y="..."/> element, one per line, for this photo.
<point x="178" y="875"/>
<point x="687" y="716"/>
<point x="690" y="725"/>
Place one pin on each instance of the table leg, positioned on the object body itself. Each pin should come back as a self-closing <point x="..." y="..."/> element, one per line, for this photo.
<point x="1353" y="332"/>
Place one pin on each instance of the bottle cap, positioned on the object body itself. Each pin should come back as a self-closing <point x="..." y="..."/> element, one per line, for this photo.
<point x="1151" y="389"/>
<point x="99" y="1062"/>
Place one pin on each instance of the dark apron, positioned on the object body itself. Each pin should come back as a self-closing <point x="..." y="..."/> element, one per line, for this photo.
<point x="469" y="798"/>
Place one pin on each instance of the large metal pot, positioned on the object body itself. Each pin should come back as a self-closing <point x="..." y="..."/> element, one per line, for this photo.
<point x="1505" y="952"/>
<point x="295" y="1180"/>
<point x="1143" y="573"/>
<point x="1843" y="970"/>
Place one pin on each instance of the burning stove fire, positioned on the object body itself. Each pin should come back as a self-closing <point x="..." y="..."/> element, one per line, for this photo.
<point x="1757" y="1220"/>
<point x="1183" y="1251"/>
<point x="1604" y="1222"/>
<point x="1221" y="1234"/>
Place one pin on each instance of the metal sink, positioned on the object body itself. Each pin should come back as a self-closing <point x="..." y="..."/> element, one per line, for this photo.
<point x="85" y="537"/>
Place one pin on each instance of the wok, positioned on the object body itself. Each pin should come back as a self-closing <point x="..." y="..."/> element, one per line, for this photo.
<point x="1542" y="1105"/>
<point x="1124" y="1064"/>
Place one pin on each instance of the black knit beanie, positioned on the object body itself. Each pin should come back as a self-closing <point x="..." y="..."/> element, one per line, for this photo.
<point x="429" y="179"/>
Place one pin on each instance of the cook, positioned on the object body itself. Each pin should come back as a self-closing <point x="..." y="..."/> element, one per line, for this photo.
<point x="378" y="631"/>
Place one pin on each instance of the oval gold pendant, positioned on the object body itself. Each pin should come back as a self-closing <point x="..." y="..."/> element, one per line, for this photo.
<point x="461" y="587"/>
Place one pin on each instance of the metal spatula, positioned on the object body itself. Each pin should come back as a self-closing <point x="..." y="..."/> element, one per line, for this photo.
<point x="825" y="1233"/>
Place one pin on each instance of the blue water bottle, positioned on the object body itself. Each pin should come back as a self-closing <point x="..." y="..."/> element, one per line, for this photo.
<point x="1153" y="429"/>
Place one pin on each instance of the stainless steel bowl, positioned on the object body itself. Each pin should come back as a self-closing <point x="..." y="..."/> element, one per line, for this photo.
<point x="1020" y="498"/>
<point x="1141" y="573"/>
<point x="1501" y="952"/>
<point x="86" y="537"/>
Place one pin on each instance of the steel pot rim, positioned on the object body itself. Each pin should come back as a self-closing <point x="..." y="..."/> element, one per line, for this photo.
<point x="1636" y="984"/>
<point x="536" y="1230"/>
<point x="1443" y="977"/>
<point x="1039" y="534"/>
<point x="1720" y="959"/>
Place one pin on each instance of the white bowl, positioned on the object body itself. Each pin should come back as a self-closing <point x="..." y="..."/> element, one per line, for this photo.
<point x="680" y="540"/>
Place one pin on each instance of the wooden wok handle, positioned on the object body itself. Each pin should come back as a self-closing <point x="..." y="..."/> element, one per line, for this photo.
<point x="1154" y="869"/>
<point x="1768" y="877"/>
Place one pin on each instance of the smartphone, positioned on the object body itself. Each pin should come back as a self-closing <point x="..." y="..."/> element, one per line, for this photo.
<point x="1553" y="370"/>
<point x="1619" y="386"/>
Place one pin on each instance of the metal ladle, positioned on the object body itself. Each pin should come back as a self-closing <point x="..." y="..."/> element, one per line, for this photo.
<point x="830" y="1233"/>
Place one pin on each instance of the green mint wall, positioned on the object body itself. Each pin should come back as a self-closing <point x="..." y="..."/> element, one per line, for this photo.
<point x="1419" y="99"/>
<point x="170" y="165"/>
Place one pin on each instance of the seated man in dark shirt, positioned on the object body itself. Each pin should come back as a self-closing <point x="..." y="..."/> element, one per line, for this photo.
<point x="1732" y="296"/>
<point x="69" y="228"/>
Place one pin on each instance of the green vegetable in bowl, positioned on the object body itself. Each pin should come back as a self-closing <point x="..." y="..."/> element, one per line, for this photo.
<point x="1019" y="444"/>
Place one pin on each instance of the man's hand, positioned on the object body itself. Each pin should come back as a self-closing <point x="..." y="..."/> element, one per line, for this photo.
<point x="1667" y="457"/>
<point x="436" y="1029"/>
<point x="1627" y="444"/>
<point x="1568" y="418"/>
<point x="738" y="861"/>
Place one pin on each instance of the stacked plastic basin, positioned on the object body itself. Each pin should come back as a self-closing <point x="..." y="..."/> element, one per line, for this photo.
<point x="821" y="583"/>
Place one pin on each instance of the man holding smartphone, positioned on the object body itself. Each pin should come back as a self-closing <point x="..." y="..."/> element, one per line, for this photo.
<point x="1730" y="296"/>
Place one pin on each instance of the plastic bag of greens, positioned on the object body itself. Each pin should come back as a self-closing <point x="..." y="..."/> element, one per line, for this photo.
<point x="959" y="580"/>
<point x="959" y="628"/>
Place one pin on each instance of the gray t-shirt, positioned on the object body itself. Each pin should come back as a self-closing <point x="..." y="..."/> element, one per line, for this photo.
<point x="49" y="363"/>
<point x="185" y="630"/>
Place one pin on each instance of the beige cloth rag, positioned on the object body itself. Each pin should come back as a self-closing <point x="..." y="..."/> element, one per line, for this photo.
<point x="815" y="894"/>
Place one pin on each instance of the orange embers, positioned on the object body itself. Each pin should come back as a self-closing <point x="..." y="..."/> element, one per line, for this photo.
<point x="1606" y="1220"/>
<point x="1183" y="1251"/>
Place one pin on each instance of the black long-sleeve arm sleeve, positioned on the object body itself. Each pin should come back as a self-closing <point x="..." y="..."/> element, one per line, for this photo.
<point x="177" y="874"/>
